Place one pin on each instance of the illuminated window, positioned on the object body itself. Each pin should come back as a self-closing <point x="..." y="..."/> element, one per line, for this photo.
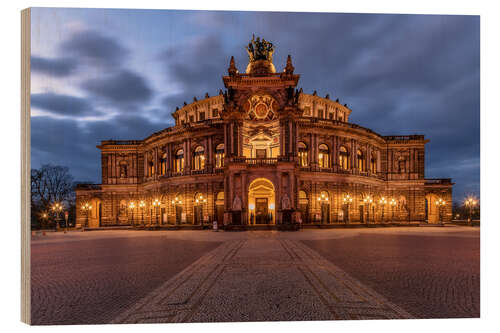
<point x="303" y="154"/>
<point x="151" y="168"/>
<point x="199" y="158"/>
<point x="215" y="113"/>
<point x="361" y="160"/>
<point x="179" y="161"/>
<point x="219" y="156"/>
<point x="307" y="111"/>
<point x="163" y="164"/>
<point x="343" y="158"/>
<point x="373" y="163"/>
<point x="324" y="156"/>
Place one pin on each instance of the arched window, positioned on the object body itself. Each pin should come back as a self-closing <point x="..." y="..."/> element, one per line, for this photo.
<point x="303" y="154"/>
<point x="324" y="156"/>
<point x="163" y="164"/>
<point x="343" y="158"/>
<point x="219" y="156"/>
<point x="373" y="163"/>
<point x="179" y="161"/>
<point x="151" y="168"/>
<point x="199" y="158"/>
<point x="361" y="160"/>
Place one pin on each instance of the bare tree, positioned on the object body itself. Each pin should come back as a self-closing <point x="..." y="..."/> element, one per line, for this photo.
<point x="51" y="184"/>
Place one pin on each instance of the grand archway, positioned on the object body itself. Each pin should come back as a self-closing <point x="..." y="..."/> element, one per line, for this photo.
<point x="261" y="202"/>
<point x="431" y="210"/>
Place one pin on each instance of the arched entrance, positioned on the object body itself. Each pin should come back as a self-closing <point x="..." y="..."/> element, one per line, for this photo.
<point x="304" y="206"/>
<point x="261" y="202"/>
<point x="95" y="213"/>
<point x="431" y="211"/>
<point x="219" y="208"/>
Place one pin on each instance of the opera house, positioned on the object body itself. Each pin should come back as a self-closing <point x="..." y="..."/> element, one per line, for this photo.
<point x="262" y="153"/>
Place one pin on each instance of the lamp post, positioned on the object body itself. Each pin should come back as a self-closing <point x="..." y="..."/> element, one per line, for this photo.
<point x="393" y="204"/>
<point x="86" y="207"/>
<point x="470" y="203"/>
<point x="383" y="202"/>
<point x="44" y="216"/>
<point x="347" y="201"/>
<point x="57" y="209"/>
<point x="201" y="200"/>
<point x="440" y="203"/>
<point x="368" y="201"/>
<point x="176" y="202"/>
<point x="142" y="204"/>
<point x="156" y="204"/>
<point x="131" y="206"/>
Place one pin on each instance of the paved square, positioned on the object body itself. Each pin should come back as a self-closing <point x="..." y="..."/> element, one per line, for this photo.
<point x="202" y="276"/>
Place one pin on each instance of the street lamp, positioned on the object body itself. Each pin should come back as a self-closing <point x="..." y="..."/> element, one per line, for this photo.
<point x="383" y="202"/>
<point x="440" y="203"/>
<point x="44" y="216"/>
<point x="142" y="204"/>
<point x="86" y="207"/>
<point x="156" y="204"/>
<point x="57" y="209"/>
<point x="471" y="203"/>
<point x="200" y="200"/>
<point x="131" y="206"/>
<point x="393" y="204"/>
<point x="368" y="201"/>
<point x="175" y="203"/>
<point x="347" y="201"/>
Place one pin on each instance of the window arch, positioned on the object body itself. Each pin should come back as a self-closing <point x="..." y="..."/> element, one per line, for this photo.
<point x="303" y="162"/>
<point x="373" y="163"/>
<point x="343" y="158"/>
<point x="179" y="161"/>
<point x="324" y="156"/>
<point x="151" y="168"/>
<point x="361" y="160"/>
<point x="163" y="164"/>
<point x="199" y="158"/>
<point x="219" y="156"/>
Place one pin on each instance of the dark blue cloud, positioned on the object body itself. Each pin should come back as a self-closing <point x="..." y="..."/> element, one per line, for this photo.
<point x="72" y="143"/>
<point x="62" y="104"/>
<point x="123" y="87"/>
<point x="96" y="48"/>
<point x="60" y="67"/>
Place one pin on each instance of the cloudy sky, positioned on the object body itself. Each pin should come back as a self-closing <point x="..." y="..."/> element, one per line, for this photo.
<point x="118" y="74"/>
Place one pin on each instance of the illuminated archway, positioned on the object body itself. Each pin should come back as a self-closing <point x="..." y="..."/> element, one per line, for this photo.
<point x="432" y="211"/>
<point x="261" y="202"/>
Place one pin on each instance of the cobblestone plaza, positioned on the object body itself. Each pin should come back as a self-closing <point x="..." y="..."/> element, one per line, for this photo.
<point x="199" y="276"/>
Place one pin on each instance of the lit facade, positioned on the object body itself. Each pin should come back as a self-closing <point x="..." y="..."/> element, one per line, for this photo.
<point x="263" y="152"/>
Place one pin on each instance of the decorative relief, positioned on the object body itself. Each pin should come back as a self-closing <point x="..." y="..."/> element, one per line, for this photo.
<point x="261" y="107"/>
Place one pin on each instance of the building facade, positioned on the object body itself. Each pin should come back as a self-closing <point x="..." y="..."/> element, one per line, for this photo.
<point x="263" y="152"/>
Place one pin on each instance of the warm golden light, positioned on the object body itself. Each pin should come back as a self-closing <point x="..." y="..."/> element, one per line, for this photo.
<point x="440" y="202"/>
<point x="382" y="201"/>
<point x="142" y="204"/>
<point x="347" y="198"/>
<point x="131" y="205"/>
<point x="393" y="202"/>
